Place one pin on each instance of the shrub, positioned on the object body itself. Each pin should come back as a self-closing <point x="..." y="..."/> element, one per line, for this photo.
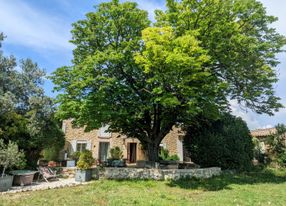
<point x="75" y="156"/>
<point x="225" y="143"/>
<point x="51" y="154"/>
<point x="164" y="155"/>
<point x="116" y="153"/>
<point x="277" y="145"/>
<point x="10" y="156"/>
<point x="85" y="160"/>
<point x="174" y="157"/>
<point x="259" y="152"/>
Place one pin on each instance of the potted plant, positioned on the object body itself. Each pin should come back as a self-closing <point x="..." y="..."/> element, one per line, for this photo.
<point x="116" y="157"/>
<point x="84" y="172"/>
<point x="168" y="161"/>
<point x="74" y="158"/>
<point x="10" y="156"/>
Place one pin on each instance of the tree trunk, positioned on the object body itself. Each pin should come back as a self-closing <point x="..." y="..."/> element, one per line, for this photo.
<point x="152" y="150"/>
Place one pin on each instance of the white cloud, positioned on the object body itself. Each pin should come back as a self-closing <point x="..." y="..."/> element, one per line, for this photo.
<point x="267" y="126"/>
<point x="251" y="121"/>
<point x="258" y="121"/>
<point x="29" y="27"/>
<point x="277" y="8"/>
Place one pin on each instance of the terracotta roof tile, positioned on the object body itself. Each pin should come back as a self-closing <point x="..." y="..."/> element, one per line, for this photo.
<point x="262" y="132"/>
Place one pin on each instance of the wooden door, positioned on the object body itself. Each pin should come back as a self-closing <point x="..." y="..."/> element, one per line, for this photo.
<point x="132" y="152"/>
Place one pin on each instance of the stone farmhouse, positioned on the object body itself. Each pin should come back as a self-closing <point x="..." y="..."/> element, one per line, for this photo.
<point x="100" y="142"/>
<point x="262" y="135"/>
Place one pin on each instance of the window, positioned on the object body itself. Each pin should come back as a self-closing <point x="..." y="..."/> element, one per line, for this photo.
<point x="81" y="146"/>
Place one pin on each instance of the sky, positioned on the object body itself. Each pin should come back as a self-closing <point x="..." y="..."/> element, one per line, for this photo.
<point x="40" y="30"/>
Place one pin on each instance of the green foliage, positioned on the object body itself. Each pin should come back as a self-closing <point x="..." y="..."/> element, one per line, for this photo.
<point x="239" y="40"/>
<point x="277" y="140"/>
<point x="277" y="145"/>
<point x="259" y="153"/>
<point x="76" y="155"/>
<point x="116" y="153"/>
<point x="51" y="153"/>
<point x="144" y="80"/>
<point x="164" y="155"/>
<point x="10" y="156"/>
<point x="174" y="157"/>
<point x="26" y="113"/>
<point x="225" y="143"/>
<point x="85" y="160"/>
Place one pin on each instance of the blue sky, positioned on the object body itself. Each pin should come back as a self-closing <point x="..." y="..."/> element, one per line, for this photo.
<point x="40" y="30"/>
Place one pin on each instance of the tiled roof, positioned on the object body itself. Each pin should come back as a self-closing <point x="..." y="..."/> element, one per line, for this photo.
<point x="263" y="132"/>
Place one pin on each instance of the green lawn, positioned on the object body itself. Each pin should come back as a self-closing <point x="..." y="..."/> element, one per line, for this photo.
<point x="256" y="188"/>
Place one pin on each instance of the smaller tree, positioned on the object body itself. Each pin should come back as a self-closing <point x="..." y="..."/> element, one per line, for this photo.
<point x="225" y="143"/>
<point x="10" y="156"/>
<point x="278" y="145"/>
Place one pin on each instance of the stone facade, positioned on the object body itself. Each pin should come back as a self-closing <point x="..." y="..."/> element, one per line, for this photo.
<point x="94" y="139"/>
<point x="160" y="174"/>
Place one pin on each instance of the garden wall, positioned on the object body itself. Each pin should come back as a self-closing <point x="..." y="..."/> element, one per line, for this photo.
<point x="160" y="174"/>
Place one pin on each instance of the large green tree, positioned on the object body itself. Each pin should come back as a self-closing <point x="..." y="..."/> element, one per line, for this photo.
<point x="26" y="113"/>
<point x="144" y="80"/>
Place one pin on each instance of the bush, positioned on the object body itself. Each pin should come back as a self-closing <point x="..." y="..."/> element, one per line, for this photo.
<point x="10" y="156"/>
<point x="75" y="156"/>
<point x="164" y="155"/>
<point x="281" y="159"/>
<point x="225" y="143"/>
<point x="51" y="154"/>
<point x="277" y="151"/>
<point x="85" y="160"/>
<point x="116" y="153"/>
<point x="174" y="157"/>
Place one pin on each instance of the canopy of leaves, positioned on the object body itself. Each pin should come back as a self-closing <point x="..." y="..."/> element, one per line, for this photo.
<point x="26" y="113"/>
<point x="225" y="143"/>
<point x="143" y="80"/>
<point x="240" y="43"/>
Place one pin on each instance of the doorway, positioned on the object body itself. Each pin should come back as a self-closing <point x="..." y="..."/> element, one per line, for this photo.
<point x="103" y="151"/>
<point x="132" y="152"/>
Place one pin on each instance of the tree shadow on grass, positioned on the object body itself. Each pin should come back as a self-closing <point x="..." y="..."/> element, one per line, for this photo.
<point x="224" y="181"/>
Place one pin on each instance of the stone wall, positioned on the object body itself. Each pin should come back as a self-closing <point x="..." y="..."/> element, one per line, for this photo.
<point x="160" y="174"/>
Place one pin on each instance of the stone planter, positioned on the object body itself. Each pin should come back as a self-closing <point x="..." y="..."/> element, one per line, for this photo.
<point x="6" y="183"/>
<point x="23" y="177"/>
<point x="118" y="163"/>
<point x="146" y="164"/>
<point x="169" y="164"/>
<point x="95" y="173"/>
<point x="83" y="175"/>
<point x="70" y="163"/>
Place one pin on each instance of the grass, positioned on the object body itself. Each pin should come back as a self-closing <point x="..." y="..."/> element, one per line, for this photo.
<point x="266" y="187"/>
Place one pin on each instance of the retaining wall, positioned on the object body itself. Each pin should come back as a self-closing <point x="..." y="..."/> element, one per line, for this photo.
<point x="160" y="174"/>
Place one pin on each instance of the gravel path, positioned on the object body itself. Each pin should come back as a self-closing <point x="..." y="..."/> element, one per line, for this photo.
<point x="60" y="183"/>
